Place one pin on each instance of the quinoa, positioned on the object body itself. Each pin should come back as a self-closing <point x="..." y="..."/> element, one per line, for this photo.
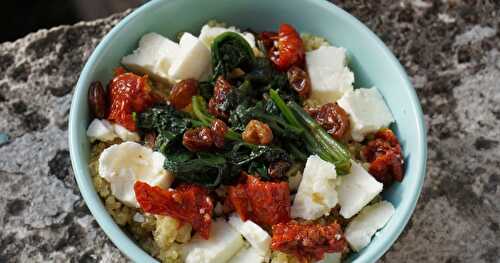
<point x="312" y="42"/>
<point x="280" y="257"/>
<point x="160" y="236"/>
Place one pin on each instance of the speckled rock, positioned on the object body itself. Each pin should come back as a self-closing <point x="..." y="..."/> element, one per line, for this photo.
<point x="451" y="50"/>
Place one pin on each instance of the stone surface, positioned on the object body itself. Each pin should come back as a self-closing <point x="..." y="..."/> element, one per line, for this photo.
<point x="451" y="50"/>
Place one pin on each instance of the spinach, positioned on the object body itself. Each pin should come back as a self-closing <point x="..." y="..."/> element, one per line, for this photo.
<point x="168" y="124"/>
<point x="230" y="51"/>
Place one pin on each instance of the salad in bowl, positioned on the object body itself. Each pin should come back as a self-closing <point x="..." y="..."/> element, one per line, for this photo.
<point x="242" y="146"/>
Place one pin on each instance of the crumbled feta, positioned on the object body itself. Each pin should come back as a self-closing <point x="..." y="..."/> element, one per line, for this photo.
<point x="125" y="134"/>
<point x="208" y="34"/>
<point x="124" y="164"/>
<point x="316" y="195"/>
<point x="367" y="111"/>
<point x="356" y="190"/>
<point x="224" y="242"/>
<point x="154" y="56"/>
<point x="248" y="255"/>
<point x="253" y="233"/>
<point x="101" y="130"/>
<point x="329" y="74"/>
<point x="139" y="218"/>
<point x="193" y="60"/>
<point x="372" y="218"/>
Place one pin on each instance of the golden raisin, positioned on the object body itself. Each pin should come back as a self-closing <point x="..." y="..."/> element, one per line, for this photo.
<point x="257" y="132"/>
<point x="299" y="80"/>
<point x="97" y="100"/>
<point x="182" y="92"/>
<point x="278" y="169"/>
<point x="219" y="129"/>
<point x="198" y="139"/>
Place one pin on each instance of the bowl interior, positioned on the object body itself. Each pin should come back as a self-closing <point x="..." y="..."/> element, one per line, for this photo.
<point x="371" y="61"/>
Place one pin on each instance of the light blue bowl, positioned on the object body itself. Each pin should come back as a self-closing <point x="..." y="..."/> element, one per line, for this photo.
<point x="371" y="61"/>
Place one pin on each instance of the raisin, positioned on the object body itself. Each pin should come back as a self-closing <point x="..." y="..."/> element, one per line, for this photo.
<point x="182" y="92"/>
<point x="278" y="169"/>
<point x="257" y="132"/>
<point x="150" y="139"/>
<point x="219" y="129"/>
<point x="299" y="81"/>
<point x="332" y="118"/>
<point x="97" y="100"/>
<point x="221" y="89"/>
<point x="198" y="139"/>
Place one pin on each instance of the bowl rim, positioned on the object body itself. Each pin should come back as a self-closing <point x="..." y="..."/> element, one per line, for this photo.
<point x="125" y="244"/>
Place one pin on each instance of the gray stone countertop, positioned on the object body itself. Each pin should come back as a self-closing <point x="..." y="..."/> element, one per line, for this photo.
<point x="449" y="48"/>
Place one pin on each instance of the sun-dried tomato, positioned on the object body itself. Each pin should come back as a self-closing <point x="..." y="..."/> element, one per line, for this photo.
<point x="182" y="92"/>
<point x="219" y="129"/>
<point x="198" y="139"/>
<point x="268" y="39"/>
<point x="265" y="203"/>
<point x="128" y="93"/>
<point x="384" y="155"/>
<point x="278" y="169"/>
<point x="188" y="203"/>
<point x="288" y="49"/>
<point x="221" y="89"/>
<point x="257" y="132"/>
<point x="299" y="81"/>
<point x="332" y="118"/>
<point x="308" y="242"/>
<point x="238" y="200"/>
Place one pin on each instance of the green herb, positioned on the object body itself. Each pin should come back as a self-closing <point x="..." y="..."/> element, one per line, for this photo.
<point x="230" y="51"/>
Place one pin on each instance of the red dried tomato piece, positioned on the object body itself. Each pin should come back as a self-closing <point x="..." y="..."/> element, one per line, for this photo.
<point x="332" y="118"/>
<point x="289" y="50"/>
<point x="128" y="93"/>
<point x="188" y="203"/>
<point x="265" y="203"/>
<point x="385" y="157"/>
<point x="238" y="200"/>
<point x="308" y="241"/>
<point x="221" y="90"/>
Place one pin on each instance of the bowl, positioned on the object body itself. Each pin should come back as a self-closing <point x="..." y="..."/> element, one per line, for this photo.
<point x="371" y="61"/>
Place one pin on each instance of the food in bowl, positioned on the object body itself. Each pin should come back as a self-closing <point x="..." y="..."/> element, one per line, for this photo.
<point x="242" y="147"/>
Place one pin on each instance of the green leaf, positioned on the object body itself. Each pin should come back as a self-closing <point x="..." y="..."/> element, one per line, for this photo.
<point x="230" y="51"/>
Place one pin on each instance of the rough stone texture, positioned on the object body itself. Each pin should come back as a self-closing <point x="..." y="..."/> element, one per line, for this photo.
<point x="451" y="50"/>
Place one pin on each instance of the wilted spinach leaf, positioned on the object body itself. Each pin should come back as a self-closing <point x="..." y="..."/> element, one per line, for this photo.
<point x="230" y="51"/>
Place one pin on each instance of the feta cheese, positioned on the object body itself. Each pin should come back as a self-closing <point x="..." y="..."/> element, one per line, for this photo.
<point x="208" y="34"/>
<point x="224" y="242"/>
<point x="331" y="258"/>
<point x="367" y="111"/>
<point x="248" y="255"/>
<point x="193" y="60"/>
<point x="356" y="190"/>
<point x="125" y="134"/>
<point x="253" y="233"/>
<point x="124" y="164"/>
<point x="372" y="218"/>
<point x="154" y="56"/>
<point x="316" y="195"/>
<point x="101" y="130"/>
<point x="329" y="74"/>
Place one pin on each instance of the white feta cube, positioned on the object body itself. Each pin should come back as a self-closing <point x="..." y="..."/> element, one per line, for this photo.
<point x="124" y="164"/>
<point x="248" y="254"/>
<point x="125" y="134"/>
<point x="356" y="190"/>
<point x="193" y="61"/>
<point x="154" y="56"/>
<point x="367" y="111"/>
<point x="372" y="218"/>
<point x="329" y="74"/>
<point x="316" y="195"/>
<point x="253" y="233"/>
<point x="224" y="243"/>
<point x="208" y="34"/>
<point x="101" y="130"/>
